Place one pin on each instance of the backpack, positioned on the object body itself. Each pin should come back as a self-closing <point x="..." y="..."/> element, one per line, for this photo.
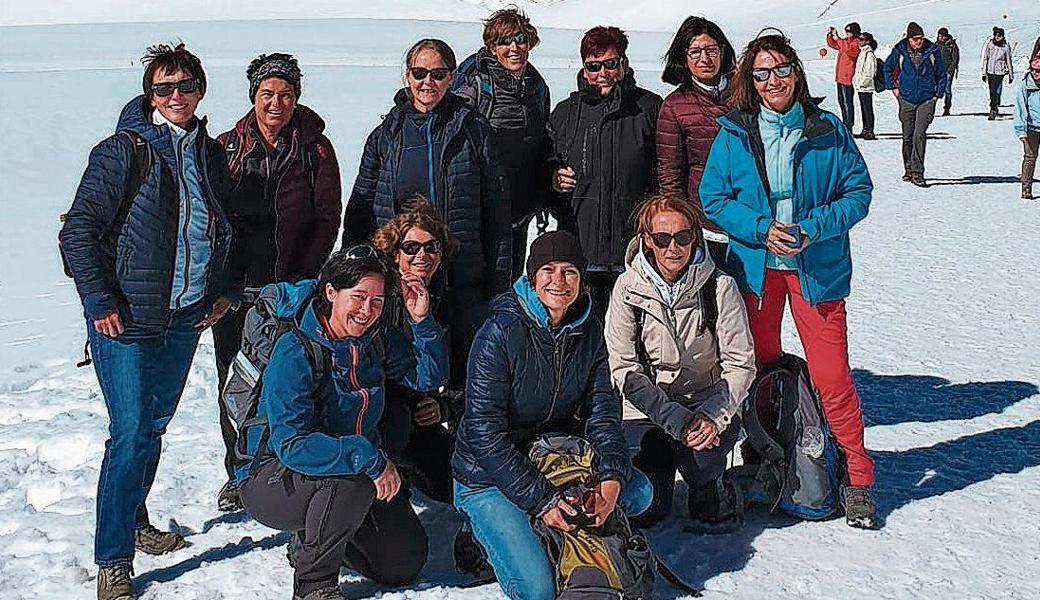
<point x="140" y="164"/>
<point x="879" y="75"/>
<point x="309" y="152"/>
<point x="611" y="561"/>
<point x="792" y="462"/>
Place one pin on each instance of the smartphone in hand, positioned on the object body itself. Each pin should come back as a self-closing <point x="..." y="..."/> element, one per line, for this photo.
<point x="795" y="232"/>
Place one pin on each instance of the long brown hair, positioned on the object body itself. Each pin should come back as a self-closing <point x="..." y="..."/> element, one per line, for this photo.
<point x="745" y="96"/>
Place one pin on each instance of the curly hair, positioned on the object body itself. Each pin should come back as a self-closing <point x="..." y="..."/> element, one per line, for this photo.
<point x="506" y="22"/>
<point x="170" y="60"/>
<point x="387" y="239"/>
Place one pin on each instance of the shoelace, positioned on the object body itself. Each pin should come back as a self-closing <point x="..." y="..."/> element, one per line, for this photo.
<point x="858" y="496"/>
<point x="120" y="576"/>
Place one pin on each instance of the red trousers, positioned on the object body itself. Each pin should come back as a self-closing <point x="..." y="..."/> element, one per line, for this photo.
<point x="824" y="337"/>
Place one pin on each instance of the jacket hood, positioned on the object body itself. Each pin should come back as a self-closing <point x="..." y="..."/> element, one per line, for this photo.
<point x="523" y="302"/>
<point x="699" y="271"/>
<point x="295" y="301"/>
<point x="450" y="108"/>
<point x="136" y="116"/>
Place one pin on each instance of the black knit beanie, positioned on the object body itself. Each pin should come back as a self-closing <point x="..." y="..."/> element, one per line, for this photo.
<point x="553" y="246"/>
<point x="282" y="66"/>
<point x="913" y="29"/>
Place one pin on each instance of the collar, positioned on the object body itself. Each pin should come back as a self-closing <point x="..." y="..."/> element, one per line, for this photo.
<point x="794" y="118"/>
<point x="176" y="130"/>
<point x="715" y="89"/>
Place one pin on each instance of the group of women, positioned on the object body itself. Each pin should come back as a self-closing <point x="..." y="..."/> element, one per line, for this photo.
<point x="431" y="315"/>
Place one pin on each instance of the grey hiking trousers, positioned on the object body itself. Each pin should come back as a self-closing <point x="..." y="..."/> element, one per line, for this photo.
<point x="915" y="119"/>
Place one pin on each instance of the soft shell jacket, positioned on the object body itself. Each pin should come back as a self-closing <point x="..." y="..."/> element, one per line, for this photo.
<point x="333" y="431"/>
<point x="832" y="191"/>
<point x="866" y="68"/>
<point x="951" y="55"/>
<point x="848" y="51"/>
<point x="470" y="192"/>
<point x="526" y="379"/>
<point x="686" y="127"/>
<point x="287" y="222"/>
<point x="130" y="270"/>
<point x="1027" y="106"/>
<point x="609" y="142"/>
<point x="996" y="59"/>
<point x="664" y="361"/>
<point x="920" y="84"/>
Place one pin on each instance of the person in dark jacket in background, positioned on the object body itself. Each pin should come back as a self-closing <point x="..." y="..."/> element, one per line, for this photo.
<point x="434" y="144"/>
<point x="538" y="365"/>
<point x="700" y="61"/>
<point x="951" y="55"/>
<point x="148" y="264"/>
<point x="285" y="207"/>
<point x="318" y="469"/>
<point x="916" y="74"/>
<point x="603" y="136"/>
<point x="506" y="89"/>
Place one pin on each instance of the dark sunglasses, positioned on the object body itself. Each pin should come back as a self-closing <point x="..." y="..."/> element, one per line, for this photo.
<point x="783" y="71"/>
<point x="594" y="66"/>
<point x="662" y="240"/>
<point x="519" y="38"/>
<point x="184" y="86"/>
<point x="438" y="74"/>
<point x="1034" y="70"/>
<point x="412" y="247"/>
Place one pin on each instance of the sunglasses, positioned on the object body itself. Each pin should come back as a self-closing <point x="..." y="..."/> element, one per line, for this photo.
<point x="518" y="38"/>
<point x="917" y="38"/>
<point x="438" y="74"/>
<point x="412" y="247"/>
<point x="696" y="52"/>
<point x="184" y="86"/>
<point x="1034" y="69"/>
<point x="662" y="240"/>
<point x="783" y="71"/>
<point x="595" y="66"/>
<point x="362" y="251"/>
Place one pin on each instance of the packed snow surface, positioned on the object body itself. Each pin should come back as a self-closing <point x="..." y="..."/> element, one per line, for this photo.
<point x="944" y="321"/>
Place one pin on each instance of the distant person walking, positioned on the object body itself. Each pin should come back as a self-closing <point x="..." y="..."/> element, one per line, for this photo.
<point x="1027" y="123"/>
<point x="916" y="74"/>
<point x="863" y="81"/>
<point x="951" y="55"/>
<point x="848" y="48"/>
<point x="996" y="64"/>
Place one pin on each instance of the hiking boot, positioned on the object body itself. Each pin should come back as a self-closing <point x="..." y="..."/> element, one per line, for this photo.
<point x="860" y="511"/>
<point x="329" y="592"/>
<point x="946" y="112"/>
<point x="150" y="540"/>
<point x="868" y="135"/>
<point x="470" y="557"/>
<point x="918" y="180"/>
<point x="906" y="175"/>
<point x="1027" y="192"/>
<point x="228" y="499"/>
<point x="992" y="115"/>
<point x="717" y="507"/>
<point x="115" y="583"/>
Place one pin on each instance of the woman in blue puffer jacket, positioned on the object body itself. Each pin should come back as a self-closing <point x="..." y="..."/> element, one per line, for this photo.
<point x="319" y="471"/>
<point x="538" y="365"/>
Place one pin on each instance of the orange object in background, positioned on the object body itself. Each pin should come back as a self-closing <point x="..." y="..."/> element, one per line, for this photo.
<point x="823" y="52"/>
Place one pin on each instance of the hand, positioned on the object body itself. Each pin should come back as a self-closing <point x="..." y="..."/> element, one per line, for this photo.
<point x="427" y="412"/>
<point x="700" y="433"/>
<point x="776" y="238"/>
<point x="388" y="483"/>
<point x="554" y="517"/>
<point x="416" y="298"/>
<point x="110" y="325"/>
<point x="564" y="180"/>
<point x="216" y="313"/>
<point x="895" y="93"/>
<point x="604" y="500"/>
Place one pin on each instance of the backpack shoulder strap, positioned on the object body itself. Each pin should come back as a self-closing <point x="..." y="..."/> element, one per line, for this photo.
<point x="140" y="164"/>
<point x="710" y="303"/>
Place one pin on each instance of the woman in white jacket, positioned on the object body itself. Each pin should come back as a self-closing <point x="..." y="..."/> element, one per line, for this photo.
<point x="863" y="82"/>
<point x="996" y="65"/>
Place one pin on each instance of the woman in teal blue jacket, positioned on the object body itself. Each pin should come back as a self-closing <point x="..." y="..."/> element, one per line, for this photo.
<point x="787" y="183"/>
<point x="1027" y="122"/>
<point x="319" y="471"/>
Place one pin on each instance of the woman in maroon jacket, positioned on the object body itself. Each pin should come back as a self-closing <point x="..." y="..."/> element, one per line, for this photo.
<point x="285" y="206"/>
<point x="699" y="61"/>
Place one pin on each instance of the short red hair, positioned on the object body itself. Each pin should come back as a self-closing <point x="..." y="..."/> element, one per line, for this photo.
<point x="600" y="39"/>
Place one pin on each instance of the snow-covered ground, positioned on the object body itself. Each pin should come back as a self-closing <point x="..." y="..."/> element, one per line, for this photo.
<point x="943" y="317"/>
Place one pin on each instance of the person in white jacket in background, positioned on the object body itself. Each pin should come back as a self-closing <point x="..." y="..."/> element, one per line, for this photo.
<point x="996" y="65"/>
<point x="863" y="82"/>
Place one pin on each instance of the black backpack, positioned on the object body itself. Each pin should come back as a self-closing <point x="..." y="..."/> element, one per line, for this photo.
<point x="879" y="76"/>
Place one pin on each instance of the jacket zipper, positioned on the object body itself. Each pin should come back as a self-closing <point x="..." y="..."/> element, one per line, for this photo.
<point x="364" y="393"/>
<point x="429" y="161"/>
<point x="182" y="184"/>
<point x="277" y="190"/>
<point x="557" y="365"/>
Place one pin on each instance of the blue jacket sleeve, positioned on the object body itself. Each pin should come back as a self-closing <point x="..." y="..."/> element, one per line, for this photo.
<point x="719" y="196"/>
<point x="602" y="413"/>
<point x="852" y="194"/>
<point x="94" y="209"/>
<point x="940" y="75"/>
<point x="1021" y="110"/>
<point x="359" y="219"/>
<point x="421" y="365"/>
<point x="890" y="70"/>
<point x="295" y="438"/>
<point x="486" y="424"/>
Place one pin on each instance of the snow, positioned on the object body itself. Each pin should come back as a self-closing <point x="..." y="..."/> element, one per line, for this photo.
<point x="943" y="318"/>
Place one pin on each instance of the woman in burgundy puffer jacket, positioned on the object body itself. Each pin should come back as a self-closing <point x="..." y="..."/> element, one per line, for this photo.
<point x="699" y="62"/>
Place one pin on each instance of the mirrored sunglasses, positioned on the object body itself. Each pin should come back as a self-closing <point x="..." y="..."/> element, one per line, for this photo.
<point x="412" y="247"/>
<point x="783" y="71"/>
<point x="518" y="38"/>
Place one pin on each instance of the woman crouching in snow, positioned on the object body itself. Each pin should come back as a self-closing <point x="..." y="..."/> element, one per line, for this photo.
<point x="319" y="471"/>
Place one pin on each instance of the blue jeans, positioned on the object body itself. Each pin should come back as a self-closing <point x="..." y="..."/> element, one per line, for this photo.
<point x="141" y="381"/>
<point x="948" y="95"/>
<point x="514" y="549"/>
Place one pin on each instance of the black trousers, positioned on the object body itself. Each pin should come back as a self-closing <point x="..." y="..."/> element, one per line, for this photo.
<point x="847" y="105"/>
<point x="996" y="85"/>
<point x="422" y="453"/>
<point x="227" y="340"/>
<point x="866" y="105"/>
<point x="340" y="523"/>
<point x="601" y="284"/>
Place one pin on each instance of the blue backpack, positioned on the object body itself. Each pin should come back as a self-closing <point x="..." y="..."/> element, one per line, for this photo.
<point x="792" y="462"/>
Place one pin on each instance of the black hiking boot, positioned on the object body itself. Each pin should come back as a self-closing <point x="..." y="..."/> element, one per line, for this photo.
<point x="918" y="180"/>
<point x="1027" y="191"/>
<point x="906" y="175"/>
<point x="470" y="557"/>
<point x="868" y="135"/>
<point x="329" y="592"/>
<point x="115" y="583"/>
<point x="150" y="540"/>
<point x="992" y="115"/>
<point x="946" y="112"/>
<point x="716" y="508"/>
<point x="860" y="511"/>
<point x="228" y="499"/>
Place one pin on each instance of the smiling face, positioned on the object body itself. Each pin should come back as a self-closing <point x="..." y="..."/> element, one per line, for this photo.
<point x="177" y="108"/>
<point x="916" y="42"/>
<point x="605" y="79"/>
<point x="427" y="92"/>
<point x="777" y="92"/>
<point x="557" y="285"/>
<point x="423" y="264"/>
<point x="274" y="103"/>
<point x="355" y="309"/>
<point x="704" y="58"/>
<point x="512" y="57"/>
<point x="670" y="261"/>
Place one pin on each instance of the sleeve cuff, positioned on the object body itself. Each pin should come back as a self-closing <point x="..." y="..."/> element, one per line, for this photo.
<point x="373" y="472"/>
<point x="762" y="229"/>
<point x="98" y="305"/>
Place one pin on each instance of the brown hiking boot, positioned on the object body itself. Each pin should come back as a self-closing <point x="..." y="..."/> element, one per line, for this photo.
<point x="860" y="511"/>
<point x="329" y="592"/>
<point x="1027" y="192"/>
<point x="150" y="540"/>
<point x="115" y="583"/>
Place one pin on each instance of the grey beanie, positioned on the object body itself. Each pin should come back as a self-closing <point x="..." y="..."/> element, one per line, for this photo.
<point x="280" y="65"/>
